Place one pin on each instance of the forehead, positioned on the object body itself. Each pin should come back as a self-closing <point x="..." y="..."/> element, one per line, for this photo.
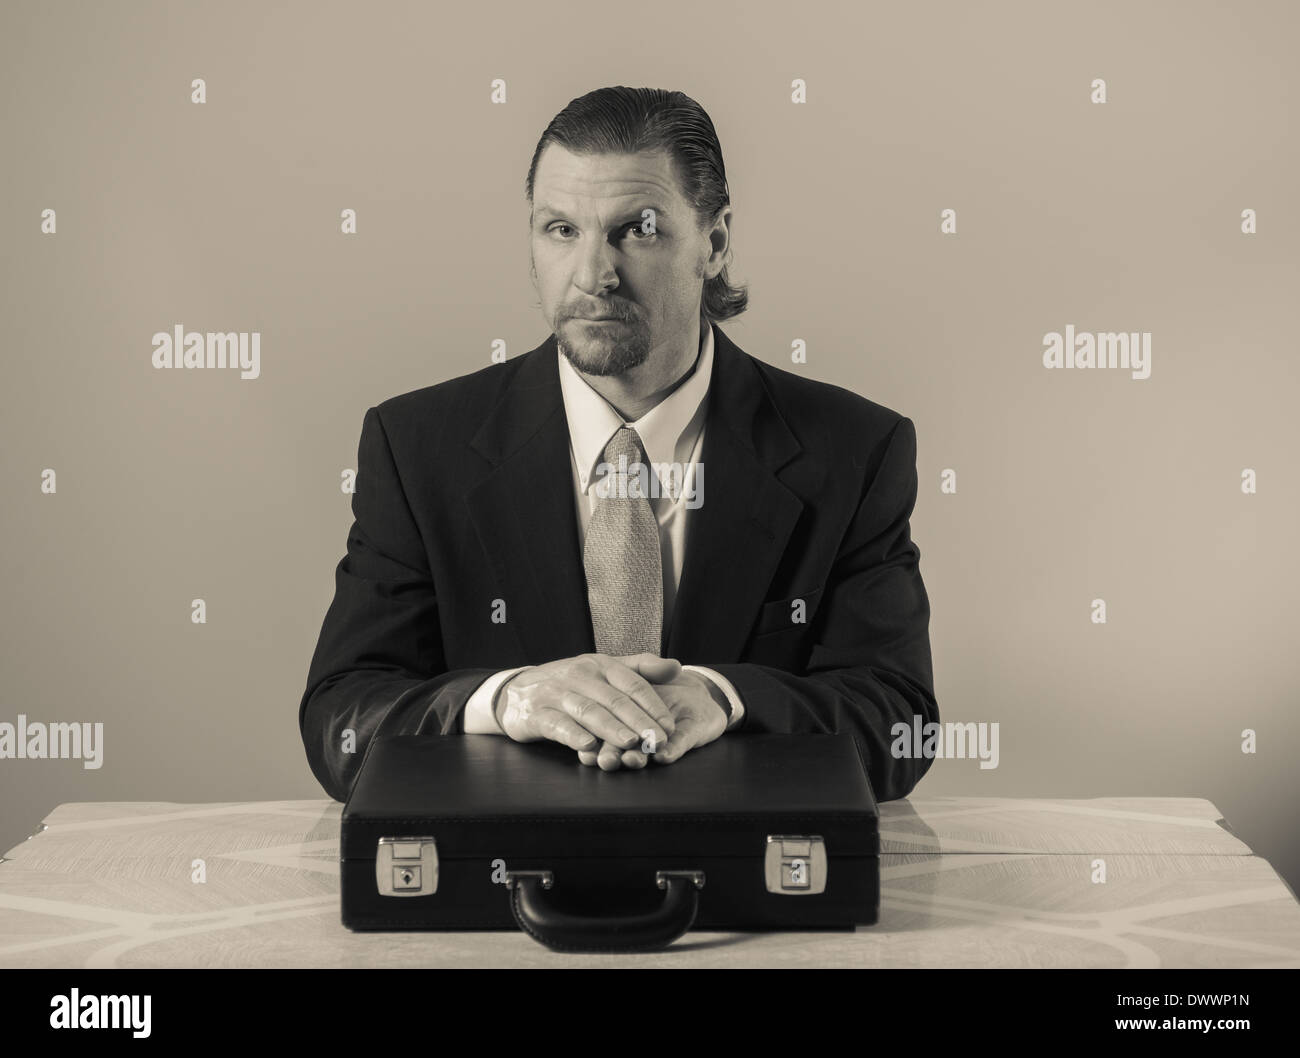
<point x="565" y="180"/>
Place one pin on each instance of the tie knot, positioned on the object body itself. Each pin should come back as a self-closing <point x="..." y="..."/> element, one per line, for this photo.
<point x="626" y="443"/>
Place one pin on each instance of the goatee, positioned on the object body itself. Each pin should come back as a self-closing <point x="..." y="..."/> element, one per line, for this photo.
<point x="626" y="348"/>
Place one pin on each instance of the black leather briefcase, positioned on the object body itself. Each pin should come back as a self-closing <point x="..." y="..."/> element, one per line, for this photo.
<point x="751" y="832"/>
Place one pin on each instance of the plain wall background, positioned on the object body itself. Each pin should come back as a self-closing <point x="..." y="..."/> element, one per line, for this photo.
<point x="1072" y="485"/>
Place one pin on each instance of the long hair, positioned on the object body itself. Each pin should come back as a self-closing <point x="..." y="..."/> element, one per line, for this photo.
<point x="621" y="120"/>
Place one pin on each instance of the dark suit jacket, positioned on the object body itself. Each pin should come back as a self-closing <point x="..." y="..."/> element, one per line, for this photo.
<point x="464" y="495"/>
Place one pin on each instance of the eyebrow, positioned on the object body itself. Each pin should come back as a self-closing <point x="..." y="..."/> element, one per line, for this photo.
<point x="628" y="217"/>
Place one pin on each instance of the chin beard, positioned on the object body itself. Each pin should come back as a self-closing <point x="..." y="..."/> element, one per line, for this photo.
<point x="606" y="357"/>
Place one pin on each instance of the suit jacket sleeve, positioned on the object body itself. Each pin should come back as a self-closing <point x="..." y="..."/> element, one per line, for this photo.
<point x="378" y="668"/>
<point x="869" y="667"/>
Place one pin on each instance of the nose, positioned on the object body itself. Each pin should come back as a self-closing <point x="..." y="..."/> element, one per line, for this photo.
<point x="595" y="271"/>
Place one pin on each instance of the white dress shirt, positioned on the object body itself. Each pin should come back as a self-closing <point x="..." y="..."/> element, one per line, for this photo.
<point x="672" y="432"/>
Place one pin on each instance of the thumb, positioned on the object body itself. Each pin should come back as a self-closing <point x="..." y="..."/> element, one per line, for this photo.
<point x="652" y="667"/>
<point x="683" y="739"/>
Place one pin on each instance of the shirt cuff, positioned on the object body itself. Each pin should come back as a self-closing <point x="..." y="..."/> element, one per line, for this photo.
<point x="480" y="716"/>
<point x="733" y="699"/>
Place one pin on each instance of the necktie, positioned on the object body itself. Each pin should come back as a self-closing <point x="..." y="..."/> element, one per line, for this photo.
<point x="621" y="554"/>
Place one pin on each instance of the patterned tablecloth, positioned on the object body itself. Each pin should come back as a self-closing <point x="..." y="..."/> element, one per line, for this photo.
<point x="966" y="882"/>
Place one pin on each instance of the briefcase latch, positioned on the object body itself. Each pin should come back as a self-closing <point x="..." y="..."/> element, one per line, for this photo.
<point x="406" y="866"/>
<point x="795" y="864"/>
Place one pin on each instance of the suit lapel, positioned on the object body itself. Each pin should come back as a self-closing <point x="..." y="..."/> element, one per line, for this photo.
<point x="524" y="513"/>
<point x="735" y="539"/>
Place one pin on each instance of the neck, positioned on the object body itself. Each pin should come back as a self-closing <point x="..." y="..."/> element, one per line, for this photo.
<point x="636" y="391"/>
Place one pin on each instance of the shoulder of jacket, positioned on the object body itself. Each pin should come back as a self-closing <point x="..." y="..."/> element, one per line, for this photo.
<point x="474" y="389"/>
<point x="815" y="409"/>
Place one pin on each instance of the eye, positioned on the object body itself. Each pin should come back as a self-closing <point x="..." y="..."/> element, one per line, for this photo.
<point x="635" y="225"/>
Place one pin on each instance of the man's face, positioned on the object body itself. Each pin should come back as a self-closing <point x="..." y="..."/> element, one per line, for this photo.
<point x="591" y="257"/>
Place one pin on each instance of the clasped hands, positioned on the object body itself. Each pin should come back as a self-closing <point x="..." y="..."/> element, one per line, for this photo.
<point x="615" y="711"/>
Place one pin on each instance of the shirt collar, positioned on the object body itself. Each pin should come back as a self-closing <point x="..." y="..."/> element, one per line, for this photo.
<point x="667" y="430"/>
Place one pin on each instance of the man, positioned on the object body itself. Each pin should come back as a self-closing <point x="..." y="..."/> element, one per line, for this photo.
<point x="537" y="551"/>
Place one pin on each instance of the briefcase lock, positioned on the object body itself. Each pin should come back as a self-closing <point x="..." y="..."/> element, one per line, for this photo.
<point x="406" y="866"/>
<point x="795" y="864"/>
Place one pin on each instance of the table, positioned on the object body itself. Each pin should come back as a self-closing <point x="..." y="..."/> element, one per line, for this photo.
<point x="965" y="882"/>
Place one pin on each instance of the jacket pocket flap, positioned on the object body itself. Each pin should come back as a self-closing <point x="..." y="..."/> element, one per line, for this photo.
<point x="782" y="614"/>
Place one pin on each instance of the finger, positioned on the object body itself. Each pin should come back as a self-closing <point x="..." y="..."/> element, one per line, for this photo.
<point x="633" y="758"/>
<point x="587" y="757"/>
<point x="619" y="709"/>
<point x="609" y="758"/>
<point x="684" y="738"/>
<point x="652" y="666"/>
<point x="589" y="713"/>
<point x="555" y="725"/>
<point x="633" y="684"/>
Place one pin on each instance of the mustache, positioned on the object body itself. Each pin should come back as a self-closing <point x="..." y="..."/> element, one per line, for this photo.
<point x="606" y="311"/>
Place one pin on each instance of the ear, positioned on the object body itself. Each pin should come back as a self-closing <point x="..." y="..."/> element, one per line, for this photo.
<point x="719" y="243"/>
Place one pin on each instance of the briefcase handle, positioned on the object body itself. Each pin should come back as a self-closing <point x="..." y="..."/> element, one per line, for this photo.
<point x="568" y="932"/>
